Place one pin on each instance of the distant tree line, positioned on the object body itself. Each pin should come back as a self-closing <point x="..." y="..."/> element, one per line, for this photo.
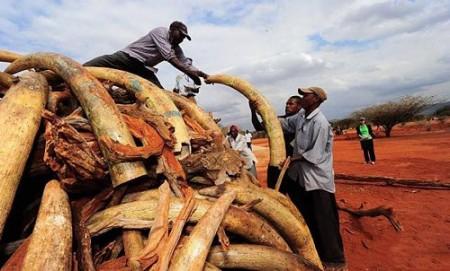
<point x="389" y="114"/>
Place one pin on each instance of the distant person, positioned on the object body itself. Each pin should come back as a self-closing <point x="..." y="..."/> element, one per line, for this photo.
<point x="185" y="86"/>
<point x="312" y="170"/>
<point x="238" y="143"/>
<point x="366" y="136"/>
<point x="292" y="107"/>
<point x="140" y="57"/>
<point x="248" y="139"/>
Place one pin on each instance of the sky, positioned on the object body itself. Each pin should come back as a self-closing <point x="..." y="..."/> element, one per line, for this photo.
<point x="361" y="52"/>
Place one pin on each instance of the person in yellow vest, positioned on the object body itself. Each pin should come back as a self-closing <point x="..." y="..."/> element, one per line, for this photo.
<point x="366" y="136"/>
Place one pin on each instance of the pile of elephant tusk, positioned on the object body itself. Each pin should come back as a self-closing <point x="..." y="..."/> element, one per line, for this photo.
<point x="102" y="170"/>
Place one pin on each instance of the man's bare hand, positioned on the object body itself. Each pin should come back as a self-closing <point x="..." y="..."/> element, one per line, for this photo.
<point x="196" y="80"/>
<point x="202" y="74"/>
<point x="252" y="105"/>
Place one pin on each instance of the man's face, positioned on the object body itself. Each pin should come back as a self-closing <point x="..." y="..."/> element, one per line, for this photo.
<point x="176" y="37"/>
<point x="308" y="100"/>
<point x="234" y="131"/>
<point x="292" y="107"/>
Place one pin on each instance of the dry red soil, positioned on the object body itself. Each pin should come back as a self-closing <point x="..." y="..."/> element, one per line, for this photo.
<point x="372" y="243"/>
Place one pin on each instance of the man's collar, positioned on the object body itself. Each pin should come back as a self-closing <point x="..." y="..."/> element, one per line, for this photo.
<point x="313" y="113"/>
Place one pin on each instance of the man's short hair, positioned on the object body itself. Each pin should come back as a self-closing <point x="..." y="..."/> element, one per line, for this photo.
<point x="296" y="98"/>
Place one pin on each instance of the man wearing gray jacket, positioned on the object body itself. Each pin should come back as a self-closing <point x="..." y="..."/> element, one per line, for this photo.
<point x="312" y="171"/>
<point x="140" y="57"/>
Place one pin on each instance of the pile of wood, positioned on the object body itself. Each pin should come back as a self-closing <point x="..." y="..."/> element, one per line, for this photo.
<point x="102" y="170"/>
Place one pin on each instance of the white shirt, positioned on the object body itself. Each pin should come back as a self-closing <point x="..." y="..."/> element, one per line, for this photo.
<point x="185" y="85"/>
<point x="248" y="137"/>
<point x="239" y="144"/>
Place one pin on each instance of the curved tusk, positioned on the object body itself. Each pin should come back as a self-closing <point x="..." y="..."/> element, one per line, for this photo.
<point x="8" y="56"/>
<point x="7" y="80"/>
<point x="271" y="122"/>
<point x="20" y="117"/>
<point x="260" y="232"/>
<point x="256" y="257"/>
<point x="99" y="107"/>
<point x="152" y="96"/>
<point x="140" y="214"/>
<point x="195" y="112"/>
<point x="295" y="232"/>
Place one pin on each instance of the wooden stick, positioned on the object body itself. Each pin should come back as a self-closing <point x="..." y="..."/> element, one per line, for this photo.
<point x="286" y="164"/>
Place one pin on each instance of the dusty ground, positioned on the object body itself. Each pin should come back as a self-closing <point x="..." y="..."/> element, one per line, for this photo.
<point x="372" y="243"/>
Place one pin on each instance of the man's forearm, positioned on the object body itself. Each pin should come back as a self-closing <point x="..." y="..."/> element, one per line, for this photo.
<point x="182" y="67"/>
<point x="256" y="123"/>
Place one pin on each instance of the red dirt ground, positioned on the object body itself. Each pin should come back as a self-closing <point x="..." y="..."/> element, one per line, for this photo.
<point x="372" y="243"/>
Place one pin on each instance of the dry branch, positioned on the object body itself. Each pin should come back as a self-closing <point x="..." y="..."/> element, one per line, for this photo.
<point x="387" y="212"/>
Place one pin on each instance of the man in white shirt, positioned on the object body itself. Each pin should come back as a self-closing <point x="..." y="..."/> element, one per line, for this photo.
<point x="248" y="139"/>
<point x="238" y="142"/>
<point x="185" y="86"/>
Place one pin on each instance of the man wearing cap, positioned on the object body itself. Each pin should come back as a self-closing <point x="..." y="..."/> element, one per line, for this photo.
<point x="312" y="170"/>
<point x="141" y="56"/>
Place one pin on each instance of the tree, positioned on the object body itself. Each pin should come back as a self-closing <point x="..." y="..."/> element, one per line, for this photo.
<point x="343" y="124"/>
<point x="392" y="113"/>
<point x="444" y="111"/>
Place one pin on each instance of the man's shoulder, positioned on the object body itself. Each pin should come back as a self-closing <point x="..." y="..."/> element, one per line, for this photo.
<point x="160" y="31"/>
<point x="320" y="118"/>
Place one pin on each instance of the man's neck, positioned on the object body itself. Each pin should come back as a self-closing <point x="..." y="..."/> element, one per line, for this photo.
<point x="310" y="110"/>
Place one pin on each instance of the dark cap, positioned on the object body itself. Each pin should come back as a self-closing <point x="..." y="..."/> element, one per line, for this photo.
<point x="181" y="27"/>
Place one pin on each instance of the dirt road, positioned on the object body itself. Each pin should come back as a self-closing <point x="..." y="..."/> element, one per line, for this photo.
<point x="372" y="243"/>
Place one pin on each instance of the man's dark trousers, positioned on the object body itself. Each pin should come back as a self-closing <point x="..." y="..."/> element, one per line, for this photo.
<point x="318" y="208"/>
<point x="122" y="61"/>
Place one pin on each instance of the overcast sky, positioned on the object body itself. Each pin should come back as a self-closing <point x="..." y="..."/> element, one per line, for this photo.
<point x="360" y="52"/>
